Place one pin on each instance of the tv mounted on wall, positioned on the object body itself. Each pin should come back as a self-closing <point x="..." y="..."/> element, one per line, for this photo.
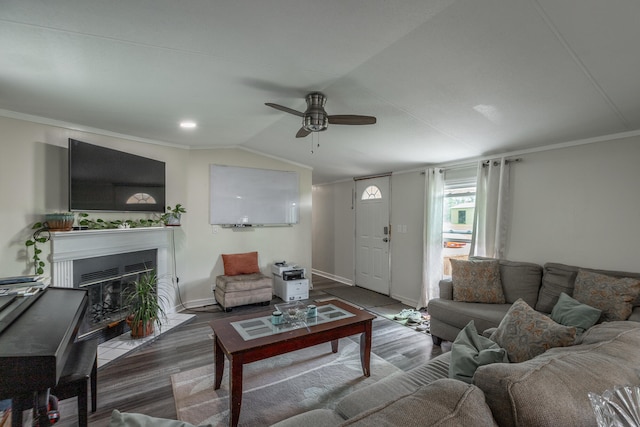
<point x="102" y="179"/>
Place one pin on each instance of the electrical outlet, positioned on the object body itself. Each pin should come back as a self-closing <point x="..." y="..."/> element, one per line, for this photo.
<point x="215" y="229"/>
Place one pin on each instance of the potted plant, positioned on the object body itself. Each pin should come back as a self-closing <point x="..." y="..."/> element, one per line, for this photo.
<point x="59" y="221"/>
<point x="144" y="305"/>
<point x="172" y="216"/>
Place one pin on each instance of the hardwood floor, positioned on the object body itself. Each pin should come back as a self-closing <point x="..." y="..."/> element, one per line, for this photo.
<point x="140" y="382"/>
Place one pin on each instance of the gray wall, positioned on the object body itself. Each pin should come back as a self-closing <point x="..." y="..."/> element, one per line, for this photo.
<point x="578" y="205"/>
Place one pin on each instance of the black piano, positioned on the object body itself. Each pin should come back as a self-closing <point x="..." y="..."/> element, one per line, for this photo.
<point x="36" y="337"/>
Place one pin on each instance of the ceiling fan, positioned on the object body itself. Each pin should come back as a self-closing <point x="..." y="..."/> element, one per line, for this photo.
<point x="316" y="119"/>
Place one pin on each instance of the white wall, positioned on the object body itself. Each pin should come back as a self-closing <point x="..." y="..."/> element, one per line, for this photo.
<point x="291" y="244"/>
<point x="407" y="218"/>
<point x="33" y="182"/>
<point x="577" y="205"/>
<point x="334" y="231"/>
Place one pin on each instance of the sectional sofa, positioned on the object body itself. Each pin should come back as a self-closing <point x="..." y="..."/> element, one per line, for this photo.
<point x="550" y="389"/>
<point x="539" y="286"/>
<point x="532" y="371"/>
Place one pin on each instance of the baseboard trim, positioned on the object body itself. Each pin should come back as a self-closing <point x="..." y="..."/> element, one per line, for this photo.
<point x="333" y="277"/>
<point x="197" y="303"/>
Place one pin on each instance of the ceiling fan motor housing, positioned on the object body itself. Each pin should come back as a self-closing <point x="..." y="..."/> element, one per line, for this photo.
<point x="315" y="118"/>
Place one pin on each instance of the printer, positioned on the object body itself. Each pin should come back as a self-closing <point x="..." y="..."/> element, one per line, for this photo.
<point x="295" y="274"/>
<point x="289" y="281"/>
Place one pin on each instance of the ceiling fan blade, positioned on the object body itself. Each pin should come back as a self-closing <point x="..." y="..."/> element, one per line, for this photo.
<point x="285" y="109"/>
<point x="302" y="133"/>
<point x="350" y="119"/>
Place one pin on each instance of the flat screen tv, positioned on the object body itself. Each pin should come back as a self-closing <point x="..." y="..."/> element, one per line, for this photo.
<point x="102" y="179"/>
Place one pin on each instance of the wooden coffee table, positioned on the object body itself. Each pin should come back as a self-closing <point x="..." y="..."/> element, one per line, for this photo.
<point x="246" y="339"/>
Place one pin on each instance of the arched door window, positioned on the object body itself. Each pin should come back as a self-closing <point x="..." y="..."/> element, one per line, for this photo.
<point x="141" y="198"/>
<point x="371" y="192"/>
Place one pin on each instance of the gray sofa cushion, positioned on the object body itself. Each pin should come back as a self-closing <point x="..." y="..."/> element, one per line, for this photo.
<point x="394" y="387"/>
<point x="459" y="314"/>
<point x="519" y="280"/>
<point x="443" y="403"/>
<point x="559" y="379"/>
<point x="314" y="418"/>
<point x="559" y="278"/>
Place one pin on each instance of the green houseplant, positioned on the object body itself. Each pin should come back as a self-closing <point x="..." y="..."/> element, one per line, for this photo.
<point x="144" y="305"/>
<point x="172" y="216"/>
<point x="40" y="235"/>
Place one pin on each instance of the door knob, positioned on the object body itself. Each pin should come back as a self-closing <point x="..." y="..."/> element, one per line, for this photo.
<point x="385" y="239"/>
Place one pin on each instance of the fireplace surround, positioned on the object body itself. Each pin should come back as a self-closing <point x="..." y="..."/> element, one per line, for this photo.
<point x="106" y="262"/>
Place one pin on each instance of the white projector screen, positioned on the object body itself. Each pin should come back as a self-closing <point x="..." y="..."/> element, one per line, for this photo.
<point x="248" y="196"/>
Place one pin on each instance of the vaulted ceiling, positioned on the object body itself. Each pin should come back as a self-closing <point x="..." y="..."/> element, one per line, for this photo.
<point x="446" y="79"/>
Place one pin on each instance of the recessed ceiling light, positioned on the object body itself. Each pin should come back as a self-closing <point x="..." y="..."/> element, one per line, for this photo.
<point x="188" y="124"/>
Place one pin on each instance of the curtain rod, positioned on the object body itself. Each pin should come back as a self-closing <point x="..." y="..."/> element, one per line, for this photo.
<point x="496" y="162"/>
<point x="484" y="164"/>
<point x="380" y="175"/>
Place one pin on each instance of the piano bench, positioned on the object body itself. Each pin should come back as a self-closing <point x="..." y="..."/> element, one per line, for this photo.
<point x="81" y="366"/>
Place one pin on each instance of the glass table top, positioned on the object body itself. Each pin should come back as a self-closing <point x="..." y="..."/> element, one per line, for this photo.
<point x="261" y="326"/>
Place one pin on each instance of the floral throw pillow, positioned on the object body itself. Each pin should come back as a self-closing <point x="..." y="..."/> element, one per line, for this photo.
<point x="526" y="333"/>
<point x="477" y="281"/>
<point x="614" y="296"/>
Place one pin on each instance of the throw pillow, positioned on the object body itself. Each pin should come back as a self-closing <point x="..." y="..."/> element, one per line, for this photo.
<point x="476" y="281"/>
<point x="570" y="312"/>
<point x="235" y="264"/>
<point x="471" y="350"/>
<point x="615" y="297"/>
<point x="525" y="333"/>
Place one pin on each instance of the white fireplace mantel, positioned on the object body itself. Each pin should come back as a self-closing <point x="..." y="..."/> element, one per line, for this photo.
<point x="67" y="246"/>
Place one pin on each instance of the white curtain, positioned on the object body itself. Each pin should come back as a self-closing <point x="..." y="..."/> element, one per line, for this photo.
<point x="492" y="213"/>
<point x="432" y="236"/>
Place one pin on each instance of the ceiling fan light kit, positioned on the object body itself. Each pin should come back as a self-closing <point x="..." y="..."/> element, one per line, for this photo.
<point x="315" y="118"/>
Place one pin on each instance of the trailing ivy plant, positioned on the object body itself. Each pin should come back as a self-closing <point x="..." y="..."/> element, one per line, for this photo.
<point x="41" y="235"/>
<point x="100" y="224"/>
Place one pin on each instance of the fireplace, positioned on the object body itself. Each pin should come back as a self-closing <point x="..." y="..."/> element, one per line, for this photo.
<point x="106" y="262"/>
<point x="108" y="279"/>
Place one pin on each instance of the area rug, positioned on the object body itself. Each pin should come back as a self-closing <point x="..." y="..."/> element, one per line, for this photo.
<point x="278" y="387"/>
<point x="360" y="296"/>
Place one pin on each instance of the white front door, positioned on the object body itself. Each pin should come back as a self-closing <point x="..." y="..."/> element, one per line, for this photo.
<point x="372" y="234"/>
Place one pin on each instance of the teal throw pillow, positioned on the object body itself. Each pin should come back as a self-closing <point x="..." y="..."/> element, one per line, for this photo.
<point x="570" y="312"/>
<point x="470" y="351"/>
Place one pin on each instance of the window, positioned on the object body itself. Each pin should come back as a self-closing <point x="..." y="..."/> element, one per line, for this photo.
<point x="371" y="192"/>
<point x="459" y="208"/>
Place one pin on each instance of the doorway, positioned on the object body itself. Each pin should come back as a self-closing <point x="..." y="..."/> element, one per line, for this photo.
<point x="373" y="234"/>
